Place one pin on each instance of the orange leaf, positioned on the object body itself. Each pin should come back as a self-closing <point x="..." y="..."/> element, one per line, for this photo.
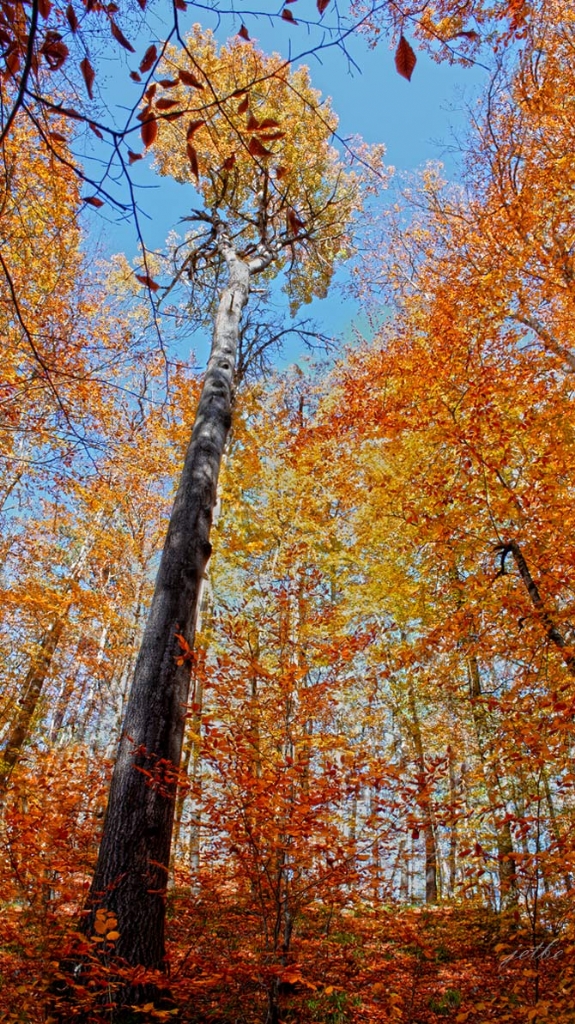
<point x="193" y="127"/>
<point x="148" y="281"/>
<point x="189" y="79"/>
<point x="255" y="148"/>
<point x="294" y="223"/>
<point x="150" y="57"/>
<point x="149" y="132"/>
<point x="405" y="59"/>
<point x="120" y="37"/>
<point x="88" y="75"/>
<point x="193" y="158"/>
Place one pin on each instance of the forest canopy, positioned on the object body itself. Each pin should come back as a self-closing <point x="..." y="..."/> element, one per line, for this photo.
<point x="287" y="635"/>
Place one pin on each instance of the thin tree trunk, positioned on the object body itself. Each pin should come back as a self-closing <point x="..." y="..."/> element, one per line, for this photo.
<point x="36" y="677"/>
<point x="553" y="633"/>
<point x="503" y="837"/>
<point x="431" y="861"/>
<point x="31" y="691"/>
<point x="131" y="874"/>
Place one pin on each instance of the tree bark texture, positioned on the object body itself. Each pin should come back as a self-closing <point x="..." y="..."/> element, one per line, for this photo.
<point x="132" y="870"/>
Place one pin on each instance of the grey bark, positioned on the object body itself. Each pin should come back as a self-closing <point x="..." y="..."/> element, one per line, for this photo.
<point x="131" y="874"/>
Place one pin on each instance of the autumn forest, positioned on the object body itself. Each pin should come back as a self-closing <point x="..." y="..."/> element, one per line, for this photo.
<point x="287" y="631"/>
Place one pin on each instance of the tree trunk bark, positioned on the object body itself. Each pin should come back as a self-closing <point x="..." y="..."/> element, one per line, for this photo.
<point x="37" y="674"/>
<point x="424" y="800"/>
<point x="554" y="634"/>
<point x="31" y="691"/>
<point x="131" y="873"/>
<point x="506" y="859"/>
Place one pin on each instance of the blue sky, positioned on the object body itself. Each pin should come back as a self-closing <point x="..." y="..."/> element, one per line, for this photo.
<point x="417" y="121"/>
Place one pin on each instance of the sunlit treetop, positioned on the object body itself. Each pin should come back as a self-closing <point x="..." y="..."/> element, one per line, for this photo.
<point x="255" y="140"/>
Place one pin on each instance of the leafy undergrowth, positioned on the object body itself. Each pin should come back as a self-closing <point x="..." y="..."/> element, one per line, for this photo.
<point x="389" y="965"/>
<point x="348" y="962"/>
<point x="405" y="965"/>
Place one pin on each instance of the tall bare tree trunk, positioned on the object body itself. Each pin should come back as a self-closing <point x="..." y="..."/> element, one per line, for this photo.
<point x="131" y="874"/>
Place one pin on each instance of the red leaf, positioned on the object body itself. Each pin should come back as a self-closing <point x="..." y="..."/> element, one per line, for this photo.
<point x="252" y="124"/>
<point x="150" y="57"/>
<point x="288" y="16"/>
<point x="229" y="162"/>
<point x="57" y="137"/>
<point x="149" y="131"/>
<point x="405" y="59"/>
<point x="150" y="92"/>
<point x="147" y="280"/>
<point x="255" y="148"/>
<point x="189" y="79"/>
<point x="167" y="83"/>
<point x="88" y="75"/>
<point x="142" y="4"/>
<point x="180" y="5"/>
<point x="322" y="5"/>
<point x="268" y="122"/>
<point x="135" y="76"/>
<point x="294" y="223"/>
<point x="166" y="104"/>
<point x="54" y="50"/>
<point x="281" y="172"/>
<point x="243" y="106"/>
<point x="193" y="158"/>
<point x="44" y="7"/>
<point x="467" y="34"/>
<point x="96" y="130"/>
<point x="193" y="127"/>
<point x="72" y="19"/>
<point x="132" y="157"/>
<point x="94" y="201"/>
<point x="120" y="37"/>
<point x="244" y="34"/>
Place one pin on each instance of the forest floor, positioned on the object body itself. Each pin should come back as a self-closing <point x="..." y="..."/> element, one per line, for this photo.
<point x="386" y="965"/>
<point x="389" y="965"/>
